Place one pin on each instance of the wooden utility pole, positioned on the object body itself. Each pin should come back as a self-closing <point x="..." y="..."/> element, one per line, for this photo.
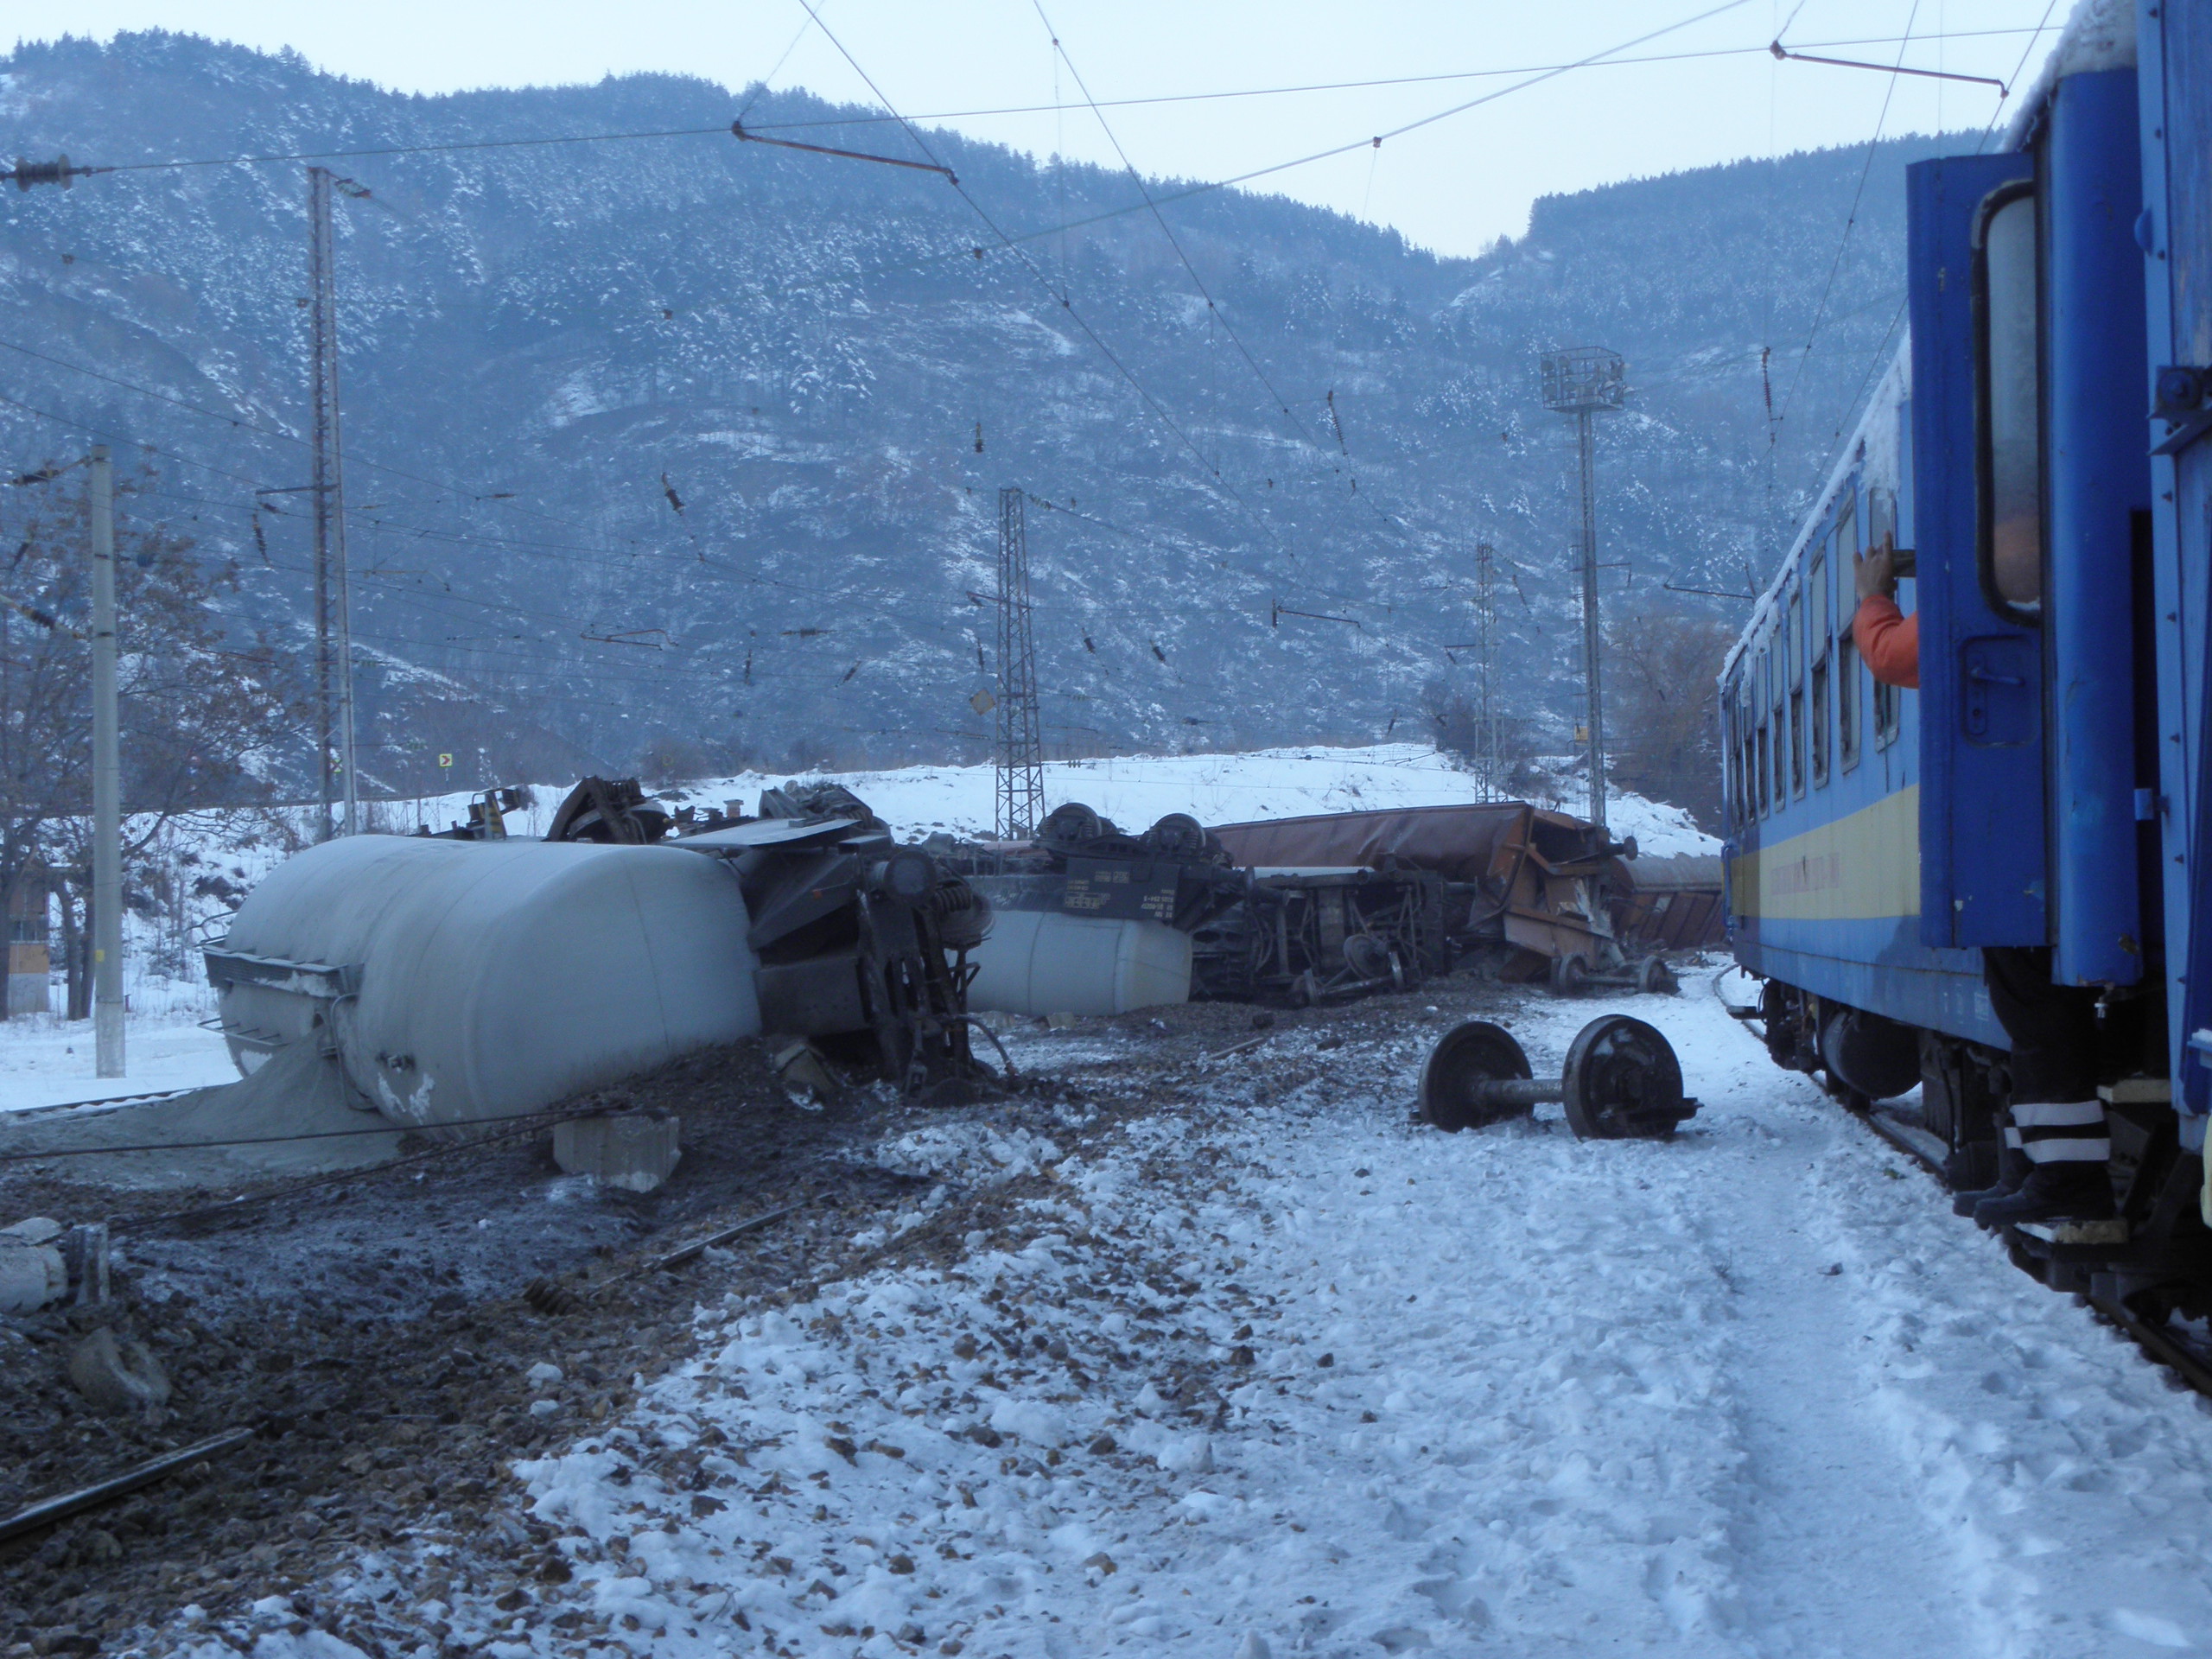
<point x="1486" y="686"/>
<point x="333" y="625"/>
<point x="107" y="783"/>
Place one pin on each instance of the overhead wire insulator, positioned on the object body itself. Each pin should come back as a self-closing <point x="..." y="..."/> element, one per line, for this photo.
<point x="58" y="171"/>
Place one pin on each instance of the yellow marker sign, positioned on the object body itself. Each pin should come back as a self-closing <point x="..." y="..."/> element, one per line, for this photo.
<point x="445" y="760"/>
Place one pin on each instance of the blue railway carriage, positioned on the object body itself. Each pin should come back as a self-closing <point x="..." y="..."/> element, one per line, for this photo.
<point x="2038" y="453"/>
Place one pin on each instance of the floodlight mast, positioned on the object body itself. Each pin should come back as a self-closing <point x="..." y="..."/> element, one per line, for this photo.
<point x="1585" y="381"/>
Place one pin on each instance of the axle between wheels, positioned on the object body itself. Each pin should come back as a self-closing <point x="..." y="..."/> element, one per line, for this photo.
<point x="1621" y="1081"/>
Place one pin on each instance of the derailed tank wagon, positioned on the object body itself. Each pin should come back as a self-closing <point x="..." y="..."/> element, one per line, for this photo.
<point x="453" y="983"/>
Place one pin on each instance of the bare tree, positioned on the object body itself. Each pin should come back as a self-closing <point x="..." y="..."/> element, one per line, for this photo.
<point x="1458" y="726"/>
<point x="1660" y="669"/>
<point x="206" y="717"/>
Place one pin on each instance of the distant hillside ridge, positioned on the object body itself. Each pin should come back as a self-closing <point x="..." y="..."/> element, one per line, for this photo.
<point x="665" y="452"/>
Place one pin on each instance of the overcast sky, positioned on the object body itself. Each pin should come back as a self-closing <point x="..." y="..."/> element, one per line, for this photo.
<point x="1454" y="185"/>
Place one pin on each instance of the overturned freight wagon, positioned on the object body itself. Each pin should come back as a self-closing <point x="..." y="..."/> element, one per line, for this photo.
<point x="1087" y="920"/>
<point x="1526" y="892"/>
<point x="1093" y="920"/>
<point x="1672" y="903"/>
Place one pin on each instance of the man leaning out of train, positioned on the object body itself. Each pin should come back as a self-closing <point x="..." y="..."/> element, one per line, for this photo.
<point x="2052" y="1167"/>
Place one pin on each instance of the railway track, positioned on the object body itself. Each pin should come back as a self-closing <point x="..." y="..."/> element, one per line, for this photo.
<point x="2190" y="1364"/>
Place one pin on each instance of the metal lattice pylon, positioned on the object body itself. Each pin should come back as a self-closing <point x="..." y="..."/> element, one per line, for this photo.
<point x="1021" y="746"/>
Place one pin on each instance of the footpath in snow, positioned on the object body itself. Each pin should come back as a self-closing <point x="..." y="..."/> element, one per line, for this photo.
<point x="1285" y="1373"/>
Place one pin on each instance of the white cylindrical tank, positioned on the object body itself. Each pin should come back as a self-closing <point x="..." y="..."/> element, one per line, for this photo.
<point x="459" y="981"/>
<point x="1046" y="961"/>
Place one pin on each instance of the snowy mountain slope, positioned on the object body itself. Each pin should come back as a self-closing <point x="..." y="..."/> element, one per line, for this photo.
<point x="801" y="351"/>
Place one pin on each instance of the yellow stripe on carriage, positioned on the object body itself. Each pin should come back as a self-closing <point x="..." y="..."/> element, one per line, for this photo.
<point x="1862" y="867"/>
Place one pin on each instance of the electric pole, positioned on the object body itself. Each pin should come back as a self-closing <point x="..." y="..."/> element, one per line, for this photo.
<point x="1021" y="783"/>
<point x="1486" y="649"/>
<point x="1585" y="381"/>
<point x="333" y="622"/>
<point x="107" y="783"/>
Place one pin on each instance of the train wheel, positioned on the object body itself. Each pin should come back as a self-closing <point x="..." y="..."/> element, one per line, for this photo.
<point x="1780" y="1019"/>
<point x="1570" y="976"/>
<point x="1622" y="1081"/>
<point x="1465" y="1059"/>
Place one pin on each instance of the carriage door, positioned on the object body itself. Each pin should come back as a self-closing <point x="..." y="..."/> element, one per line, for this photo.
<point x="2177" y="232"/>
<point x="1977" y="529"/>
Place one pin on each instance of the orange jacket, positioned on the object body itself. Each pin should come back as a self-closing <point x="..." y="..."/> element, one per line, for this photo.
<point x="1889" y="640"/>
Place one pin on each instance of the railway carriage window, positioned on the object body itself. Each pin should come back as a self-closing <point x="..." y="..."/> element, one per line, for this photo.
<point x="1796" y="627"/>
<point x="1886" y="714"/>
<point x="2009" y="434"/>
<point x="1731" y="796"/>
<point x="1847" y="699"/>
<point x="1764" y="771"/>
<point x="1778" y="700"/>
<point x="1816" y="646"/>
<point x="1881" y="513"/>
<point x="1739" y="771"/>
<point x="1748" y="716"/>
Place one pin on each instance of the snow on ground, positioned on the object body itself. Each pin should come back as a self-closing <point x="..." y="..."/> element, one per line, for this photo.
<point x="1295" y="1375"/>
<point x="1136" y="790"/>
<point x="46" y="1060"/>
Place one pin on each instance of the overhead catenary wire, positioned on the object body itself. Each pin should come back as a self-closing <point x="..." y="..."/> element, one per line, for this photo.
<point x="760" y="86"/>
<point x="1151" y="402"/>
<point x="1881" y="351"/>
<point x="1136" y="178"/>
<point x="1535" y="79"/>
<point x="1213" y="310"/>
<point x="1612" y="57"/>
<point x="1150" y="204"/>
<point x="396" y="591"/>
<point x="573" y="552"/>
<point x="504" y="499"/>
<point x="463" y="145"/>
<point x="2013" y="80"/>
<point x="1843" y="243"/>
<point x="1009" y="240"/>
<point x="1376" y="84"/>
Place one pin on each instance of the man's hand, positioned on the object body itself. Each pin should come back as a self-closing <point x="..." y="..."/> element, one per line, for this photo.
<point x="1871" y="573"/>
